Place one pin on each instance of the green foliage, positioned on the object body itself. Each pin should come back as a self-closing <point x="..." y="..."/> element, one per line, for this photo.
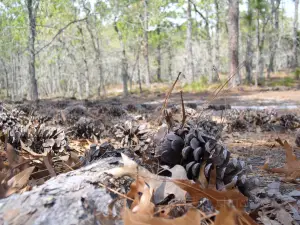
<point x="286" y="82"/>
<point x="297" y="73"/>
<point x="197" y="86"/>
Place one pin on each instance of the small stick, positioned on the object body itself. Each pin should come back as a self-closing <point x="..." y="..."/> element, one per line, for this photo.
<point x="183" y="111"/>
<point x="169" y="93"/>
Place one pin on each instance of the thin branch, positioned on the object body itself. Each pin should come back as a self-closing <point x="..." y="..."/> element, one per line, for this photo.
<point x="58" y="33"/>
<point x="197" y="11"/>
<point x="183" y="111"/>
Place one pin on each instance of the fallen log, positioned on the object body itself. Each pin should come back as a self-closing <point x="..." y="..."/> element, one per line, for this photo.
<point x="71" y="198"/>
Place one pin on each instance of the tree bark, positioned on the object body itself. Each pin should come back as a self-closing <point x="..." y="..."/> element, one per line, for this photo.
<point x="191" y="72"/>
<point x="86" y="68"/>
<point x="217" y="41"/>
<point x="6" y="77"/>
<point x="158" y="58"/>
<point x="249" y="48"/>
<point x="71" y="198"/>
<point x="233" y="35"/>
<point x="170" y="59"/>
<point x="98" y="58"/>
<point x="274" y="37"/>
<point x="146" y="47"/>
<point x="123" y="61"/>
<point x="32" y="10"/>
<point x="295" y="35"/>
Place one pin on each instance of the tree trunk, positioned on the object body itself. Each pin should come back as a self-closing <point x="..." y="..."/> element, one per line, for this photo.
<point x="6" y="77"/>
<point x="249" y="48"/>
<point x="146" y="49"/>
<point x="158" y="58"/>
<point x="274" y="37"/>
<point x="295" y="35"/>
<point x="217" y="41"/>
<point x="233" y="35"/>
<point x="139" y="73"/>
<point x="31" y="46"/>
<point x="190" y="68"/>
<point x="86" y="68"/>
<point x="98" y="58"/>
<point x="212" y="74"/>
<point x="123" y="61"/>
<point x="258" y="50"/>
<point x="170" y="58"/>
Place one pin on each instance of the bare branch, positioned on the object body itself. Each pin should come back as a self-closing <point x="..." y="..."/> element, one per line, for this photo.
<point x="58" y="33"/>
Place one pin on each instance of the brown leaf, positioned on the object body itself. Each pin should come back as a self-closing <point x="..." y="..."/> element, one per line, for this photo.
<point x="192" y="217"/>
<point x="12" y="156"/>
<point x="48" y="164"/>
<point x="292" y="167"/>
<point x="218" y="198"/>
<point x="19" y="181"/>
<point x="229" y="215"/>
<point x="145" y="206"/>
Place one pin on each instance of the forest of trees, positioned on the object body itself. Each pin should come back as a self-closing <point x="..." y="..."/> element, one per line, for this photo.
<point x="80" y="48"/>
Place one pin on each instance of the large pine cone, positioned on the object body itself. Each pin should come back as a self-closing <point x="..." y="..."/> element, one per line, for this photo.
<point x="197" y="151"/>
<point x="11" y="124"/>
<point x="132" y="134"/>
<point x="43" y="138"/>
<point x="87" y="128"/>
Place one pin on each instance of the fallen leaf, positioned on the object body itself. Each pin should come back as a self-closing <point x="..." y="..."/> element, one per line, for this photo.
<point x="218" y="198"/>
<point x="19" y="181"/>
<point x="48" y="164"/>
<point x="229" y="215"/>
<point x="168" y="187"/>
<point x="12" y="156"/>
<point x="292" y="167"/>
<point x="284" y="217"/>
<point x="192" y="217"/>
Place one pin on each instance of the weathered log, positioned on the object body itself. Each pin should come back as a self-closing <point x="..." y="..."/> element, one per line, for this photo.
<point x="70" y="198"/>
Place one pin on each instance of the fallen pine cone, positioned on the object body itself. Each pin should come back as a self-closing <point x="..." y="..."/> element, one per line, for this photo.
<point x="197" y="151"/>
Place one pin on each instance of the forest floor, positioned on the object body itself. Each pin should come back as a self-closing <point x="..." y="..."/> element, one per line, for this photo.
<point x="267" y="114"/>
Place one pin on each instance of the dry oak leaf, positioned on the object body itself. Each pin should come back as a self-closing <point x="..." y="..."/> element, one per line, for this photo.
<point x="292" y="167"/>
<point x="19" y="181"/>
<point x="192" y="217"/>
<point x="229" y="215"/>
<point x="217" y="198"/>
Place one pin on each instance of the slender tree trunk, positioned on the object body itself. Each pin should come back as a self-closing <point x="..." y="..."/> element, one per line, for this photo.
<point x="217" y="41"/>
<point x="86" y="68"/>
<point x="211" y="73"/>
<point x="274" y="37"/>
<point x="124" y="61"/>
<point x="139" y="73"/>
<point x="170" y="59"/>
<point x="295" y="35"/>
<point x="98" y="59"/>
<point x="233" y="35"/>
<point x="6" y="77"/>
<point x="31" y="46"/>
<point x="258" y="50"/>
<point x="146" y="49"/>
<point x="190" y="62"/>
<point x="158" y="57"/>
<point x="249" y="48"/>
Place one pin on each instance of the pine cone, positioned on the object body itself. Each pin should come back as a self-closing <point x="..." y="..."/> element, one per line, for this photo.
<point x="197" y="152"/>
<point x="131" y="134"/>
<point x="42" y="138"/>
<point x="86" y="128"/>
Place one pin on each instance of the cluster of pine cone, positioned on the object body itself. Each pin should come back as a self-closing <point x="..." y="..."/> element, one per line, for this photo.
<point x="267" y="120"/>
<point x="197" y="151"/>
